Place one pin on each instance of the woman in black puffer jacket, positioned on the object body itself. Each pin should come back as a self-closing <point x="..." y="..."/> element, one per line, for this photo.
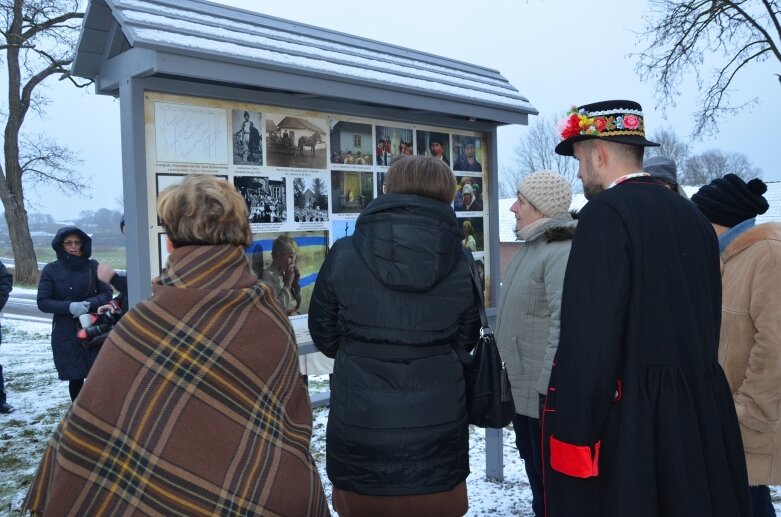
<point x="390" y="303"/>
<point x="69" y="287"/>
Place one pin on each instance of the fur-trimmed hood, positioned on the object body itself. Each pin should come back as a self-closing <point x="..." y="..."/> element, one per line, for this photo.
<point x="761" y="232"/>
<point x="559" y="233"/>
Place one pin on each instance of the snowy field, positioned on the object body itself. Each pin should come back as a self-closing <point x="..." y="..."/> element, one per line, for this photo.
<point x="41" y="399"/>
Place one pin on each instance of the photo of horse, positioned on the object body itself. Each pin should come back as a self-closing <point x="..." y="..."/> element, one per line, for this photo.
<point x="295" y="141"/>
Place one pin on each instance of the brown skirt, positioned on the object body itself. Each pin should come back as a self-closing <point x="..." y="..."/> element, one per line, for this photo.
<point x="452" y="503"/>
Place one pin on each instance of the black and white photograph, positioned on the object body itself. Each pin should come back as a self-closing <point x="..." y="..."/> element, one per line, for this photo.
<point x="473" y="237"/>
<point x="247" y="141"/>
<point x="266" y="199"/>
<point x="351" y="191"/>
<point x="432" y="143"/>
<point x="310" y="200"/>
<point x="295" y="141"/>
<point x="392" y="142"/>
<point x="468" y="153"/>
<point x="351" y="143"/>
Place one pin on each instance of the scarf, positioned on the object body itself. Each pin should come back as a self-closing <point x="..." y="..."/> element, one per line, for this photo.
<point x="194" y="406"/>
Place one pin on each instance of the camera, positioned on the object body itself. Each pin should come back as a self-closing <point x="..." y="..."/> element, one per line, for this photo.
<point x="95" y="327"/>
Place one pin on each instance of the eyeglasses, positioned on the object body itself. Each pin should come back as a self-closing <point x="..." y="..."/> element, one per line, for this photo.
<point x="72" y="243"/>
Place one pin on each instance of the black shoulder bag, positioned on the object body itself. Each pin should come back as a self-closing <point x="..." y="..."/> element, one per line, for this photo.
<point x="488" y="396"/>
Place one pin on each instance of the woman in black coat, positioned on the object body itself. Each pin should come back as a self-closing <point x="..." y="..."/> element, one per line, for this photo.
<point x="389" y="304"/>
<point x="69" y="287"/>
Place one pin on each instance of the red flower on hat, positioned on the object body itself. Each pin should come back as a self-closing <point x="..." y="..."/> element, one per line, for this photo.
<point x="631" y="122"/>
<point x="600" y="123"/>
<point x="570" y="126"/>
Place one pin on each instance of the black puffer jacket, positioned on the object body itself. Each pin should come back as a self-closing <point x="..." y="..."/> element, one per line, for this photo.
<point x="389" y="304"/>
<point x="71" y="278"/>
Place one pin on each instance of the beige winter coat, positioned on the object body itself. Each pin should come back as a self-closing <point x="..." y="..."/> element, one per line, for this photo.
<point x="750" y="345"/>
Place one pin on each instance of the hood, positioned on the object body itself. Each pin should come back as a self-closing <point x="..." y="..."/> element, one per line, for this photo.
<point x="86" y="242"/>
<point x="408" y="242"/>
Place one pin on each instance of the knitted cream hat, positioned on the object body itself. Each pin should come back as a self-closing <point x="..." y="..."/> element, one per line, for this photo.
<point x="548" y="191"/>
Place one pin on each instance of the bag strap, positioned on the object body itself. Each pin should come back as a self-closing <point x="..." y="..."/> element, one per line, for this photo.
<point x="470" y="261"/>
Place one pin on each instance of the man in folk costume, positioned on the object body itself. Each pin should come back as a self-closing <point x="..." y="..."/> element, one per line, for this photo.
<point x="639" y="418"/>
<point x="750" y="342"/>
<point x="194" y="406"/>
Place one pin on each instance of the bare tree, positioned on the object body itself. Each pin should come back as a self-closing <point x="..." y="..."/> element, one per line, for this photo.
<point x="38" y="37"/>
<point x="670" y="146"/>
<point x="534" y="152"/>
<point x="682" y="34"/>
<point x="705" y="167"/>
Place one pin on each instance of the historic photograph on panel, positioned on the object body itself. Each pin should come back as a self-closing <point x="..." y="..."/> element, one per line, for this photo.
<point x="295" y="141"/>
<point x="351" y="143"/>
<point x="266" y="199"/>
<point x="341" y="228"/>
<point x="247" y="142"/>
<point x="270" y="256"/>
<point x="310" y="197"/>
<point x="469" y="195"/>
<point x="431" y="143"/>
<point x="351" y="191"/>
<point x="469" y="153"/>
<point x="392" y="142"/>
<point x="472" y="228"/>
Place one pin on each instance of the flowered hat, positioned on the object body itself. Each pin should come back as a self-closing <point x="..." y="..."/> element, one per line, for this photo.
<point x="616" y="121"/>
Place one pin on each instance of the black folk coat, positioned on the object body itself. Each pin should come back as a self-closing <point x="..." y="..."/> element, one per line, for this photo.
<point x="71" y="278"/>
<point x="389" y="304"/>
<point x="639" y="418"/>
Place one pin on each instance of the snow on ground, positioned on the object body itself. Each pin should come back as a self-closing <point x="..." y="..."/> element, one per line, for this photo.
<point x="41" y="399"/>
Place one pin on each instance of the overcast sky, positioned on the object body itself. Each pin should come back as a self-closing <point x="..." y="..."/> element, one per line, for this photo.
<point x="556" y="52"/>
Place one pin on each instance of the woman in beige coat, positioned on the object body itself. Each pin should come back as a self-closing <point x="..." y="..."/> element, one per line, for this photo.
<point x="529" y="307"/>
<point x="750" y="340"/>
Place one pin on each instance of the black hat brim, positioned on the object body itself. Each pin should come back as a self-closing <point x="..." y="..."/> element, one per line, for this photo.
<point x="564" y="148"/>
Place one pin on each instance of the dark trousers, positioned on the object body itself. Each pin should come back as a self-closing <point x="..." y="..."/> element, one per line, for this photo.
<point x="529" y="440"/>
<point x="761" y="506"/>
<point x="74" y="387"/>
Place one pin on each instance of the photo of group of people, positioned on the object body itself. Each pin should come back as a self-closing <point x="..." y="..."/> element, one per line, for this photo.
<point x="392" y="142"/>
<point x="266" y="199"/>
<point x="310" y="200"/>
<point x="351" y="143"/>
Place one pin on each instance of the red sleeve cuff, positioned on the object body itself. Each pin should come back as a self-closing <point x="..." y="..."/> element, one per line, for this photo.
<point x="574" y="460"/>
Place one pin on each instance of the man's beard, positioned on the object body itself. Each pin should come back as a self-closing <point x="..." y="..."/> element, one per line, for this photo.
<point x="591" y="189"/>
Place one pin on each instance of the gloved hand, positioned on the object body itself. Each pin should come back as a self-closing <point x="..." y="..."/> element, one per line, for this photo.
<point x="78" y="308"/>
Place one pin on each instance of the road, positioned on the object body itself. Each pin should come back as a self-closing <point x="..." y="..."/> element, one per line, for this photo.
<point x="22" y="306"/>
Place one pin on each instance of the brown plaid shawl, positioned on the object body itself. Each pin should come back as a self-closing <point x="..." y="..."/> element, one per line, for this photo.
<point x="194" y="406"/>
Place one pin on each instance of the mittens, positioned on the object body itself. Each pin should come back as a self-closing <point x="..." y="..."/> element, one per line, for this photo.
<point x="78" y="308"/>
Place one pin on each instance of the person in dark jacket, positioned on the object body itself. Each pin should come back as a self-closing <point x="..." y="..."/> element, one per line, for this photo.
<point x="639" y="418"/>
<point x="69" y="287"/>
<point x="117" y="280"/>
<point x="390" y="304"/>
<point x="6" y="285"/>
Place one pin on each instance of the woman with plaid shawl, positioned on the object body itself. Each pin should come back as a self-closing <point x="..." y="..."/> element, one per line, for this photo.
<point x="195" y="405"/>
